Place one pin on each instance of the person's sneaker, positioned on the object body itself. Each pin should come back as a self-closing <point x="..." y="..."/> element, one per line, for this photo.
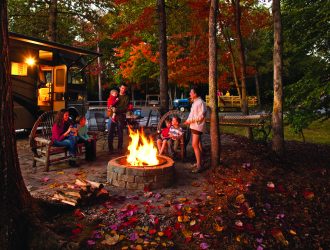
<point x="73" y="163"/>
<point x="193" y="165"/>
<point x="197" y="170"/>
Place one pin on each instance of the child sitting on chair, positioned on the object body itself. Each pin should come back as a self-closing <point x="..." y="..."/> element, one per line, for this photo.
<point x="84" y="137"/>
<point x="111" y="104"/>
<point x="175" y="134"/>
<point x="164" y="137"/>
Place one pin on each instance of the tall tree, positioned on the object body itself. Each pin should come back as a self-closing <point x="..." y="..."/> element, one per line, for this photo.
<point x="277" y="117"/>
<point x="52" y="21"/>
<point x="163" y="74"/>
<point x="213" y="84"/>
<point x="14" y="197"/>
<point x="242" y="63"/>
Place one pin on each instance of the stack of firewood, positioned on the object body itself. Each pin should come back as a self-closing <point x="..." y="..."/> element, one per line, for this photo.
<point x="82" y="192"/>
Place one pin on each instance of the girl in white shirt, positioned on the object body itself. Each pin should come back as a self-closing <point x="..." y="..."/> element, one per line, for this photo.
<point x="196" y="121"/>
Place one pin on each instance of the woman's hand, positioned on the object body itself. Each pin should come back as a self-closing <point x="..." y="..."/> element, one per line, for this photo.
<point x="68" y="131"/>
<point x="186" y="122"/>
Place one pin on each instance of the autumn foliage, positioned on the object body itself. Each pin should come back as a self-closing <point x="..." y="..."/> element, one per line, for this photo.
<point x="188" y="49"/>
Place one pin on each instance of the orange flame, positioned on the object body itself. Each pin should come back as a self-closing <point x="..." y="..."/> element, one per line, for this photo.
<point x="141" y="150"/>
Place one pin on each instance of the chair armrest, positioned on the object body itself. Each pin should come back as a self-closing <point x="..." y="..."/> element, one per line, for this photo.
<point x="43" y="140"/>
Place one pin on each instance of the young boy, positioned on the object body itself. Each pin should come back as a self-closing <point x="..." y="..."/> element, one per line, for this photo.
<point x="175" y="133"/>
<point x="84" y="137"/>
<point x="164" y="136"/>
<point x="111" y="104"/>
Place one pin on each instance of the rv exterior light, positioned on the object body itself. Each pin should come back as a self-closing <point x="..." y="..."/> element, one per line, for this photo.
<point x="30" y="61"/>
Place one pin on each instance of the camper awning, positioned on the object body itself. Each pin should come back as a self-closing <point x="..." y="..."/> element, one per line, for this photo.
<point x="52" y="45"/>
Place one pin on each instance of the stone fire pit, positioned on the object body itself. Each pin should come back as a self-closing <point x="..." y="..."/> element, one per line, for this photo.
<point x="120" y="174"/>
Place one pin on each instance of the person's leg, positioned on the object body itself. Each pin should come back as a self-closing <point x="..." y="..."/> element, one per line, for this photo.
<point x="159" y="145"/>
<point x="110" y="136"/>
<point x="69" y="144"/>
<point x="195" y="145"/>
<point x="164" y="144"/>
<point x="109" y="124"/>
<point x="169" y="147"/>
<point x="88" y="151"/>
<point x="120" y="128"/>
<point x="175" y="145"/>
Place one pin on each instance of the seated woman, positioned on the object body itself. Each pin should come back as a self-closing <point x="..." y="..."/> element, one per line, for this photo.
<point x="61" y="135"/>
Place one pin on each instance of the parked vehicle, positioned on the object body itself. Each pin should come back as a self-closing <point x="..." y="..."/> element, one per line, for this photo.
<point x="47" y="76"/>
<point x="182" y="104"/>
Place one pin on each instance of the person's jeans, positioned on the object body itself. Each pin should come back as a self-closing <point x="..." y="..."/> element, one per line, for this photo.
<point x="120" y="124"/>
<point x="70" y="144"/>
<point x="109" y="124"/>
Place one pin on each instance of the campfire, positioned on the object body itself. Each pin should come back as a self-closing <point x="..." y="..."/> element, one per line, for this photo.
<point x="142" y="151"/>
<point x="142" y="168"/>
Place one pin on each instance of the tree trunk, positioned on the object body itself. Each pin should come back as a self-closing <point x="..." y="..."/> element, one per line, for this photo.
<point x="52" y="21"/>
<point x="99" y="83"/>
<point x="232" y="60"/>
<point x="163" y="76"/>
<point x="256" y="78"/>
<point x="235" y="75"/>
<point x="213" y="84"/>
<point x="14" y="197"/>
<point x="277" y="118"/>
<point x="241" y="57"/>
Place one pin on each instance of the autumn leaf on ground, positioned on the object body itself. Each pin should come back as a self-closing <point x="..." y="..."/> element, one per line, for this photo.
<point x="278" y="235"/>
<point x="109" y="240"/>
<point x="217" y="227"/>
<point x="309" y="195"/>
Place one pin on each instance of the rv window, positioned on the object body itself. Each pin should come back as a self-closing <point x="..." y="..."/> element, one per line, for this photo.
<point x="75" y="77"/>
<point x="60" y="77"/>
<point x="18" y="69"/>
<point x="46" y="55"/>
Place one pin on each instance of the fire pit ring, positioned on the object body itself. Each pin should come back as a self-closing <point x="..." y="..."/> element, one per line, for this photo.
<point x="120" y="174"/>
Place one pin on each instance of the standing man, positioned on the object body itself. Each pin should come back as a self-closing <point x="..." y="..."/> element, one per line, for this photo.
<point x="121" y="109"/>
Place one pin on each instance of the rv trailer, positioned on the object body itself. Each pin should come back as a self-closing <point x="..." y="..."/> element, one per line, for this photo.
<point x="47" y="76"/>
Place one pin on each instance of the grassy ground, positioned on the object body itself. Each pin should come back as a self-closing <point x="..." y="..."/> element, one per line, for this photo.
<point x="317" y="132"/>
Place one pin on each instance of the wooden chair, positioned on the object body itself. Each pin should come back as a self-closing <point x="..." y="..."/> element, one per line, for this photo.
<point x="41" y="144"/>
<point x="184" y="140"/>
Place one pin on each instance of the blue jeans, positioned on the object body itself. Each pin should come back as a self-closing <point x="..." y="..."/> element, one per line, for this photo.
<point x="120" y="124"/>
<point x="109" y="124"/>
<point x="70" y="144"/>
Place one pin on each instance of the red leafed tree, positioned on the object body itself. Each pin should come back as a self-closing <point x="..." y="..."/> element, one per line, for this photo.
<point x="187" y="61"/>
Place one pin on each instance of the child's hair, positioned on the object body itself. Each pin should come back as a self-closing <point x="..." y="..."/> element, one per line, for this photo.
<point x="113" y="91"/>
<point x="177" y="118"/>
<point x="168" y="120"/>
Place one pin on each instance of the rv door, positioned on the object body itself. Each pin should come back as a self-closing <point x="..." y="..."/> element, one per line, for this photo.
<point x="60" y="80"/>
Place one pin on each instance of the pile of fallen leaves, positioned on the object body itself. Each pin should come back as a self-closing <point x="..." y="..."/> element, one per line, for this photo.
<point x="251" y="202"/>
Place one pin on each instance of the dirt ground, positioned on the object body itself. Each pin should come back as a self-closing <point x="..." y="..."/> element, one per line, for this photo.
<point x="252" y="201"/>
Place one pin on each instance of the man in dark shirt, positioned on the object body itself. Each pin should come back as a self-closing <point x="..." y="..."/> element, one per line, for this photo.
<point x="121" y="109"/>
